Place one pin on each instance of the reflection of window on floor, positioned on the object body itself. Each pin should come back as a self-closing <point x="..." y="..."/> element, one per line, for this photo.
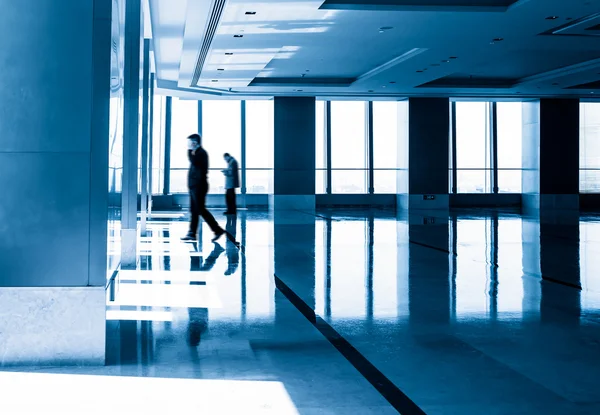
<point x="589" y="258"/>
<point x="589" y="147"/>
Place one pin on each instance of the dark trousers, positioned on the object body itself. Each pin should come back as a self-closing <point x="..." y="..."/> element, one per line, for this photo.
<point x="198" y="208"/>
<point x="230" y="199"/>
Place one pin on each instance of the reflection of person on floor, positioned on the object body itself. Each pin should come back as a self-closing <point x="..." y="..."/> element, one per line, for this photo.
<point x="211" y="259"/>
<point x="198" y="186"/>
<point x="198" y="316"/>
<point x="231" y="247"/>
<point x="198" y="324"/>
<point x="232" y="182"/>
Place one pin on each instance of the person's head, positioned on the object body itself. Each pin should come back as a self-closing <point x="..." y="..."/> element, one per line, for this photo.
<point x="194" y="140"/>
<point x="227" y="156"/>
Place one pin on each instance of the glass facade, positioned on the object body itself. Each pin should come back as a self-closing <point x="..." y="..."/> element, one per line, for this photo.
<point x="589" y="147"/>
<point x="348" y="147"/>
<point x="488" y="147"/>
<point x="321" y="148"/>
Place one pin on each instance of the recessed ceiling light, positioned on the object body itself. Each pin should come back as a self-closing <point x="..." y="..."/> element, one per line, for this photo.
<point x="555" y="83"/>
<point x="215" y="80"/>
<point x="383" y="86"/>
<point x="386" y="28"/>
<point x="251" y="13"/>
<point x="238" y="35"/>
<point x="419" y="71"/>
<point x="228" y="53"/>
<point x="551" y="17"/>
<point x="370" y="90"/>
<point x="300" y="90"/>
<point x="446" y="61"/>
<point x="453" y="57"/>
<point x="392" y="82"/>
<point x="220" y="69"/>
<point x="498" y="39"/>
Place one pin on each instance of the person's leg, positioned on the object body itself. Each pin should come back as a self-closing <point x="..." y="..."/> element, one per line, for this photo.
<point x="206" y="215"/>
<point x="193" y="214"/>
<point x="233" y="202"/>
<point x="230" y="198"/>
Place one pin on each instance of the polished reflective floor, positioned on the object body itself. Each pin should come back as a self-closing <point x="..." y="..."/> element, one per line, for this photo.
<point x="364" y="312"/>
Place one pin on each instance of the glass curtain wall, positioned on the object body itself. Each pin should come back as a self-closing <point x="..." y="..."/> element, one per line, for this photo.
<point x="589" y="147"/>
<point x="158" y="144"/>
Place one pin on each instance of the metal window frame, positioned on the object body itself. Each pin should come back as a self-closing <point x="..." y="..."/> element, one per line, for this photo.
<point x="328" y="187"/>
<point x="369" y="139"/>
<point x="494" y="145"/>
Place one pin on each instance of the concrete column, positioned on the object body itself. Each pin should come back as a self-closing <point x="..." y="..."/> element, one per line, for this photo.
<point x="551" y="154"/>
<point x="294" y="154"/>
<point x="428" y="153"/>
<point x="132" y="92"/>
<point x="54" y="114"/>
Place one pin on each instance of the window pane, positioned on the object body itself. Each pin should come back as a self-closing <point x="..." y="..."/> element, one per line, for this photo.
<point x="321" y="181"/>
<point x="473" y="181"/>
<point x="385" y="135"/>
<point x="385" y="181"/>
<point x="471" y="135"/>
<point x="320" y="154"/>
<point x="348" y="144"/>
<point x="510" y="132"/>
<point x="509" y="181"/>
<point x="184" y="122"/>
<point x="221" y="133"/>
<point x="259" y="134"/>
<point x="589" y="146"/>
<point x="179" y="181"/>
<point x="472" y="146"/>
<point x="259" y="181"/>
<point x="348" y="181"/>
<point x="589" y="181"/>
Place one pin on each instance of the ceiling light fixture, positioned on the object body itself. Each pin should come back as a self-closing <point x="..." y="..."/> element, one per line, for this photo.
<point x="551" y="17"/>
<point x="446" y="61"/>
<point x="385" y="28"/>
<point x="238" y="35"/>
<point x="215" y="80"/>
<point x="228" y="53"/>
<point x="220" y="69"/>
<point x="251" y="13"/>
<point x="392" y="82"/>
<point x="419" y="71"/>
<point x="498" y="39"/>
<point x="370" y="90"/>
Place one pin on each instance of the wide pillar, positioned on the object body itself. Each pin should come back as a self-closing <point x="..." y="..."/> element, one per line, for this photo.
<point x="54" y="117"/>
<point x="294" y="154"/>
<point x="427" y="148"/>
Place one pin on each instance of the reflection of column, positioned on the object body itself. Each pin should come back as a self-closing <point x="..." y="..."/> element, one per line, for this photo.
<point x="328" y="269"/>
<point x="559" y="264"/>
<point x="133" y="33"/>
<point x="429" y="282"/>
<point x="294" y="258"/>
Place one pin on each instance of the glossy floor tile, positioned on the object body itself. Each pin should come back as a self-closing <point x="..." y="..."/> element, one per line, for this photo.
<point x="479" y="312"/>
